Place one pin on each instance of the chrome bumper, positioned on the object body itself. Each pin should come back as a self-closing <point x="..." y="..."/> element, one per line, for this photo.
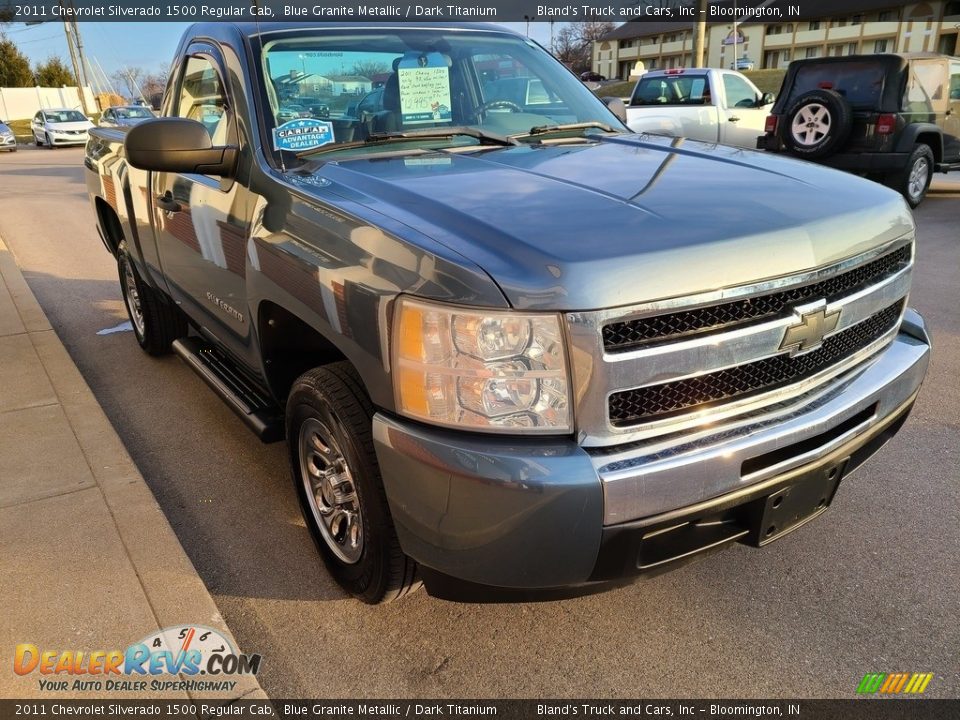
<point x="536" y="513"/>
<point x="637" y="483"/>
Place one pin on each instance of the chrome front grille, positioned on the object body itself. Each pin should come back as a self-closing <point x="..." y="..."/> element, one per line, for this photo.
<point x="660" y="401"/>
<point x="630" y="334"/>
<point x="674" y="365"/>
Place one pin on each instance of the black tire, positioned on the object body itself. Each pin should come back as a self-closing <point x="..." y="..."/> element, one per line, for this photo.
<point x="49" y="142"/>
<point x="913" y="181"/>
<point x="159" y="322"/>
<point x="332" y="398"/>
<point x="816" y="124"/>
<point x="36" y="141"/>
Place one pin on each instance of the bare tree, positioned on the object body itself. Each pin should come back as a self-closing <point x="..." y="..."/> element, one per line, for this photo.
<point x="129" y="77"/>
<point x="369" y="68"/>
<point x="573" y="45"/>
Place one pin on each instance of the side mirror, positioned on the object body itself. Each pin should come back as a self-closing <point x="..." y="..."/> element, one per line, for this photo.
<point x="767" y="99"/>
<point x="616" y="106"/>
<point x="178" y="145"/>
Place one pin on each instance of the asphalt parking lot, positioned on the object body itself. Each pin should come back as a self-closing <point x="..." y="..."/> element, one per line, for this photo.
<point x="872" y="586"/>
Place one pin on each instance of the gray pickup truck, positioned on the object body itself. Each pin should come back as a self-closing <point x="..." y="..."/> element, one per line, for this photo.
<point x="514" y="349"/>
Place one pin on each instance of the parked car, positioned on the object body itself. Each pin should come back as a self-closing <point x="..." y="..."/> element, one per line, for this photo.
<point x="315" y="107"/>
<point x="591" y="76"/>
<point x="60" y="127"/>
<point x="8" y="141"/>
<point x="292" y="112"/>
<point x="716" y="106"/>
<point x="509" y="351"/>
<point x="125" y="116"/>
<point x="892" y="117"/>
<point x="743" y="64"/>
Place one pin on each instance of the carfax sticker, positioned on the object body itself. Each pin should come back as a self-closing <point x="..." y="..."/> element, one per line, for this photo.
<point x="302" y="134"/>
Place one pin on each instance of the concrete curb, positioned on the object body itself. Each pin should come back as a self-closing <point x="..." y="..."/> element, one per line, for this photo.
<point x="173" y="590"/>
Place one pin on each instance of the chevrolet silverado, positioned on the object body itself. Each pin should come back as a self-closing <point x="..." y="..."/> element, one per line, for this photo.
<point x="512" y="347"/>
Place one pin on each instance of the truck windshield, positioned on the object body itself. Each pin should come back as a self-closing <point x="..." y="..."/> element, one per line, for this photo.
<point x="344" y="87"/>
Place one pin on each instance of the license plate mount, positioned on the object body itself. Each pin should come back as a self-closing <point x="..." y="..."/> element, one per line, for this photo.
<point x="792" y="506"/>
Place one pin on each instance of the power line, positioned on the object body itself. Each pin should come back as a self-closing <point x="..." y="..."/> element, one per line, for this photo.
<point x="33" y="40"/>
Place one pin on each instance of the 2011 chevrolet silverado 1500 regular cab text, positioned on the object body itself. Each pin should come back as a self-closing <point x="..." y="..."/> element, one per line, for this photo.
<point x="512" y="347"/>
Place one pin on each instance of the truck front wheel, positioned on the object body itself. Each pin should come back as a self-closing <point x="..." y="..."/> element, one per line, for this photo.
<point x="337" y="479"/>
<point x="156" y="323"/>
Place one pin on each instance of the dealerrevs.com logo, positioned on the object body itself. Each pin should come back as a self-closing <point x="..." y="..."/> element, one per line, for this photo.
<point x="187" y="650"/>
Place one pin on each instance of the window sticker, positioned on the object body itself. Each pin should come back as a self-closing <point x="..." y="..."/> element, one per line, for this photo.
<point x="424" y="89"/>
<point x="302" y="134"/>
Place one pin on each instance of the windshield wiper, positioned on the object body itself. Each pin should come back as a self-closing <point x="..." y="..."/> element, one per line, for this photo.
<point x="544" y="129"/>
<point x="485" y="138"/>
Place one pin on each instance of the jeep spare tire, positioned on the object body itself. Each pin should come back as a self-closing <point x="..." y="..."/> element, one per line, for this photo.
<point x="817" y="124"/>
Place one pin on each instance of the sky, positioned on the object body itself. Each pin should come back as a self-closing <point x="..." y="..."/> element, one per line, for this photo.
<point x="145" y="45"/>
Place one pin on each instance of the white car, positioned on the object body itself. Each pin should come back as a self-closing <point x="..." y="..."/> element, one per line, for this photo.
<point x="7" y="140"/>
<point x="60" y="127"/>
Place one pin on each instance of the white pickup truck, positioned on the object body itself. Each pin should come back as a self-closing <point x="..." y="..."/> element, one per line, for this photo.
<point x="716" y="106"/>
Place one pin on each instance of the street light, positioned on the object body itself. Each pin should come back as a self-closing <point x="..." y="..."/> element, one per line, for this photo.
<point x="303" y="63"/>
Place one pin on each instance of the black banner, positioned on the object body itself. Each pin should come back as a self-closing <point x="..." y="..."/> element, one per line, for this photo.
<point x="861" y="709"/>
<point x="616" y="11"/>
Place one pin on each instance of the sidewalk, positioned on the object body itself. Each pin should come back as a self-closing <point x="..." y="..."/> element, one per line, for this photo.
<point x="89" y="562"/>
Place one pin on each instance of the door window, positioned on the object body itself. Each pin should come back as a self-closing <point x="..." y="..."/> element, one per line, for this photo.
<point x="202" y="98"/>
<point x="954" y="81"/>
<point x="739" y="93"/>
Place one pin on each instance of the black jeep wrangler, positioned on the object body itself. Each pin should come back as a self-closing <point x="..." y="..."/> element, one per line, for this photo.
<point x="894" y="118"/>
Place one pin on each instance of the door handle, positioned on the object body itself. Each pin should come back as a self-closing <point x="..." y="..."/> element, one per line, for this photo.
<point x="166" y="202"/>
<point x="733" y="119"/>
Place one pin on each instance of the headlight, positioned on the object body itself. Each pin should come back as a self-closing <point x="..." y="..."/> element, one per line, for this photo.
<point x="493" y="370"/>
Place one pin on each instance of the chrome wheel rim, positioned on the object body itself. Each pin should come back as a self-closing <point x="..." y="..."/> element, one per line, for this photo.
<point x="919" y="176"/>
<point x="811" y="124"/>
<point x="132" y="298"/>
<point x="331" y="491"/>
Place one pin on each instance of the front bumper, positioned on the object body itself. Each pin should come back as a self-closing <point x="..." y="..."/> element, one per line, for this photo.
<point x="58" y="139"/>
<point x="521" y="513"/>
<point x="8" y="142"/>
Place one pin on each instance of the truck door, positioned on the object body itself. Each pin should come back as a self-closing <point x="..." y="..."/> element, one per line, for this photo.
<point x="741" y="120"/>
<point x="202" y="222"/>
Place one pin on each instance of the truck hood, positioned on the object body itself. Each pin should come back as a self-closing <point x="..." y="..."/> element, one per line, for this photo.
<point x="626" y="219"/>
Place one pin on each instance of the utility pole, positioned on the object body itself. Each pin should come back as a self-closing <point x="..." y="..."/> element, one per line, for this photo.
<point x="75" y="47"/>
<point x="699" y="33"/>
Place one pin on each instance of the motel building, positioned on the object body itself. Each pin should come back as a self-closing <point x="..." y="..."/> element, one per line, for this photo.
<point x="846" y="28"/>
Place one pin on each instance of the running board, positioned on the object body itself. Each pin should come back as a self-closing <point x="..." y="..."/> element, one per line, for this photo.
<point x="947" y="167"/>
<point x="234" y="387"/>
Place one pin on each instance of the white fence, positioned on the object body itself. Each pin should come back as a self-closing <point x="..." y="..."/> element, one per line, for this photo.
<point x="23" y="103"/>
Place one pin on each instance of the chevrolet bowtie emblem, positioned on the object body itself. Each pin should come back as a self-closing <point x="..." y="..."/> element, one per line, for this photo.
<point x="813" y="322"/>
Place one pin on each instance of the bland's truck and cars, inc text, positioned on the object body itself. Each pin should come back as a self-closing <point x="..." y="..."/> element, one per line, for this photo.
<point x="512" y="347"/>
